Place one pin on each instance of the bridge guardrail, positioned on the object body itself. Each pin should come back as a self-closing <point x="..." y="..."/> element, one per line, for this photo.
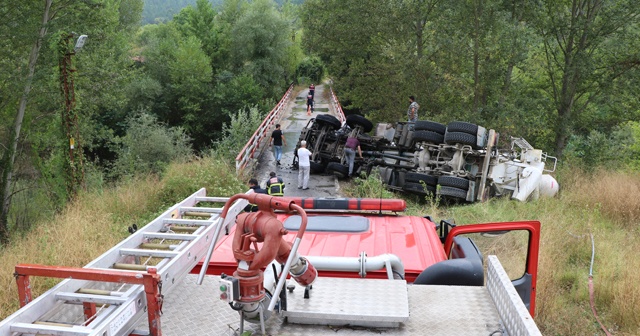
<point x="255" y="142"/>
<point x="337" y="107"/>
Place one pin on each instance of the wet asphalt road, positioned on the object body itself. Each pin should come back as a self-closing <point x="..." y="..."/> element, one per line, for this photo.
<point x="293" y="121"/>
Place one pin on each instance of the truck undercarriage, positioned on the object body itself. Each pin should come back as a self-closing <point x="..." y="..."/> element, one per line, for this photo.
<point x="460" y="161"/>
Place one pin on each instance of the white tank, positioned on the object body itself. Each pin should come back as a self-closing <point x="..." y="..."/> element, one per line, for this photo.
<point x="528" y="182"/>
<point x="548" y="186"/>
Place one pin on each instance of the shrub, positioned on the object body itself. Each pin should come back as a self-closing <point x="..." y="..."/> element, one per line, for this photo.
<point x="235" y="134"/>
<point x="311" y="68"/>
<point x="149" y="146"/>
<point x="215" y="174"/>
<point x="597" y="149"/>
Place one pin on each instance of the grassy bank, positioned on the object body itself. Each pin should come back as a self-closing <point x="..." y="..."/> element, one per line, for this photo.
<point x="605" y="205"/>
<point x="96" y="222"/>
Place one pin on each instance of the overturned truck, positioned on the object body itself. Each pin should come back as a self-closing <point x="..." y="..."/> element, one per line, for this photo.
<point x="459" y="161"/>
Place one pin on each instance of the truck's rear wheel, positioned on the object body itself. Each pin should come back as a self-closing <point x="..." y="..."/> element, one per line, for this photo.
<point x="327" y="119"/>
<point x="453" y="138"/>
<point x="453" y="181"/>
<point x="338" y="169"/>
<point x="464" y="127"/>
<point x="354" y="120"/>
<point x="316" y="167"/>
<point x="453" y="192"/>
<point x="427" y="136"/>
<point x="425" y="125"/>
<point x="417" y="188"/>
<point x="417" y="177"/>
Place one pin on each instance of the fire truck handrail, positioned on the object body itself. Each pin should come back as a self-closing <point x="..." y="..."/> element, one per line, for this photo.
<point x="261" y="133"/>
<point x="512" y="311"/>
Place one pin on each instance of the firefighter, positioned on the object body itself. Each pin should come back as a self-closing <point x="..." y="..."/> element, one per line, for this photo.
<point x="275" y="185"/>
<point x="253" y="184"/>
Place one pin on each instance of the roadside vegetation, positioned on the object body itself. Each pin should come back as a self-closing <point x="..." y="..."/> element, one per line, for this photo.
<point x="601" y="203"/>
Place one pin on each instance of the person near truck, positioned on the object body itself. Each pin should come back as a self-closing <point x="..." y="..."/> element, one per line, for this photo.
<point x="412" y="112"/>
<point x="304" y="166"/>
<point x="277" y="139"/>
<point x="275" y="185"/>
<point x="350" y="151"/>
<point x="253" y="185"/>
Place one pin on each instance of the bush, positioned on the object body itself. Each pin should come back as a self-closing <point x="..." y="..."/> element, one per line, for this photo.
<point x="311" y="68"/>
<point x="616" y="150"/>
<point x="236" y="134"/>
<point x="215" y="174"/>
<point x="149" y="146"/>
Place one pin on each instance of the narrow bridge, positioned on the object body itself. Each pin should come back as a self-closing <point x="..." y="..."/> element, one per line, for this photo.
<point x="290" y="113"/>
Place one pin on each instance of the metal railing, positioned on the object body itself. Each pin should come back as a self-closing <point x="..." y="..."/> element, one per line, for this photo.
<point x="337" y="107"/>
<point x="255" y="143"/>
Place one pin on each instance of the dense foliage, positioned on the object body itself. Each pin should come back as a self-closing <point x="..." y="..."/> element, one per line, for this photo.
<point x="550" y="71"/>
<point x="137" y="97"/>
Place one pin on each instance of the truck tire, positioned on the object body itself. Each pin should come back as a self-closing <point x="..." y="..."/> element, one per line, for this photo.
<point x="338" y="169"/>
<point x="464" y="127"/>
<point x="417" y="177"/>
<point x="327" y="119"/>
<point x="316" y="167"/>
<point x="453" y="192"/>
<point x="425" y="125"/>
<point x="354" y="120"/>
<point x="453" y="138"/>
<point x="417" y="188"/>
<point x="452" y="181"/>
<point x="427" y="136"/>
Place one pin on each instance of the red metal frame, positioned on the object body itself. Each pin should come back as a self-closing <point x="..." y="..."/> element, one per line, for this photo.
<point x="264" y="122"/>
<point x="532" y="252"/>
<point x="150" y="280"/>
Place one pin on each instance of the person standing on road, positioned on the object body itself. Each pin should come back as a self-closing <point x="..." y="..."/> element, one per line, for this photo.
<point x="253" y="185"/>
<point x="412" y="112"/>
<point x="312" y="91"/>
<point x="304" y="166"/>
<point x="309" y="103"/>
<point x="350" y="151"/>
<point x="275" y="185"/>
<point x="277" y="139"/>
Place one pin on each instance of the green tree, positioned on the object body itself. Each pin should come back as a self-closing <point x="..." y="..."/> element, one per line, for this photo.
<point x="590" y="46"/>
<point x="259" y="42"/>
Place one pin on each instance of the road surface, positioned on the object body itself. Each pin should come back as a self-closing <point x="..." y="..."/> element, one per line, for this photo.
<point x="293" y="121"/>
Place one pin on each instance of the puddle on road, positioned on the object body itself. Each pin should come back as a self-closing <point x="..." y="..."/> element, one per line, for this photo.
<point x="292" y="140"/>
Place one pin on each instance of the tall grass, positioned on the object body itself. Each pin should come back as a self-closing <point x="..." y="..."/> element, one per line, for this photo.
<point x="605" y="204"/>
<point x="96" y="221"/>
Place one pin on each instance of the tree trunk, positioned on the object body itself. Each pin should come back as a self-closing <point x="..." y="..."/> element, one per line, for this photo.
<point x="10" y="154"/>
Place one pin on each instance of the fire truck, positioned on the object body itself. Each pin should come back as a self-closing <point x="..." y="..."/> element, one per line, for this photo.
<point x="297" y="266"/>
<point x="459" y="161"/>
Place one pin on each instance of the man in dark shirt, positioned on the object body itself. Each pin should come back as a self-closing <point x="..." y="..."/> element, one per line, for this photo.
<point x="277" y="139"/>
<point x="312" y="91"/>
<point x="350" y="151"/>
<point x="253" y="184"/>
